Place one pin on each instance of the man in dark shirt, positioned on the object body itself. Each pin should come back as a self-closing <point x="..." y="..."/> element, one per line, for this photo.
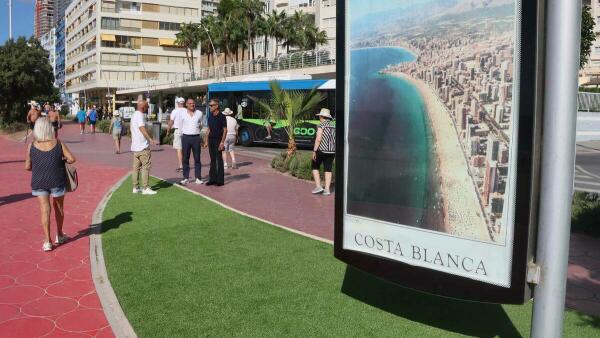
<point x="215" y="140"/>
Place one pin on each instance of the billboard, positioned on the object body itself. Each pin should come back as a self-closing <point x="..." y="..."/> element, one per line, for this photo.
<point x="439" y="166"/>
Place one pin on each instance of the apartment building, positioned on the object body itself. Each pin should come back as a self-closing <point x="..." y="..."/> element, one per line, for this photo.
<point x="209" y="7"/>
<point x="114" y="44"/>
<point x="590" y="74"/>
<point x="59" y="63"/>
<point x="48" y="42"/>
<point x="43" y="17"/>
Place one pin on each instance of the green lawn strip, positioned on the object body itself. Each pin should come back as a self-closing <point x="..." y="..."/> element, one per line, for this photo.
<point x="183" y="266"/>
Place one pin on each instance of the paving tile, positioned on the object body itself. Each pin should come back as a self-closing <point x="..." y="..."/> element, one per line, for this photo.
<point x="49" y="306"/>
<point x="26" y="327"/>
<point x="82" y="320"/>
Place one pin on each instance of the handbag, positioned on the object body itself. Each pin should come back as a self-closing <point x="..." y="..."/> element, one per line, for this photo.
<point x="72" y="180"/>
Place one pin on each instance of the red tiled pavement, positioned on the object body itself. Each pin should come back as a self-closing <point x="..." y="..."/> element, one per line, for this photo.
<point x="254" y="188"/>
<point x="48" y="294"/>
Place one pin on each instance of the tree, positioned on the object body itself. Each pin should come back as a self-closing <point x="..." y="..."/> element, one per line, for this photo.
<point x="189" y="38"/>
<point x="25" y="73"/>
<point x="288" y="106"/>
<point x="274" y="26"/>
<point x="209" y="35"/>
<point x="587" y="36"/>
<point x="251" y="14"/>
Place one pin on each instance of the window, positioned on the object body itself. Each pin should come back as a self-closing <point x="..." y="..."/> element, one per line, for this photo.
<point x="150" y="8"/>
<point x="150" y="42"/>
<point x="150" y="24"/>
<point x="110" y="23"/>
<point x="169" y="26"/>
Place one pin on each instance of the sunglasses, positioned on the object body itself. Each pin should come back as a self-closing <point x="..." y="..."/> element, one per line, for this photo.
<point x="213" y="105"/>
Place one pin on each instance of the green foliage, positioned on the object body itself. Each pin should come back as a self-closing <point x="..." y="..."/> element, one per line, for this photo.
<point x="288" y="106"/>
<point x="164" y="139"/>
<point x="587" y="35"/>
<point x="585" y="216"/>
<point x="12" y="127"/>
<point x="298" y="165"/>
<point x="189" y="38"/>
<point x="589" y="89"/>
<point x="103" y="125"/>
<point x="25" y="74"/>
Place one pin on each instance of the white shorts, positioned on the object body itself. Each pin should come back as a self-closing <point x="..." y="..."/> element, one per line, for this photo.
<point x="177" y="139"/>
<point x="229" y="143"/>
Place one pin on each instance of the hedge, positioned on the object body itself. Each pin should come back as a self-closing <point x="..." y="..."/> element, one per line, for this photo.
<point x="585" y="216"/>
<point x="299" y="165"/>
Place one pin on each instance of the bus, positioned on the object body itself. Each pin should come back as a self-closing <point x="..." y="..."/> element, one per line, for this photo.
<point x="254" y="127"/>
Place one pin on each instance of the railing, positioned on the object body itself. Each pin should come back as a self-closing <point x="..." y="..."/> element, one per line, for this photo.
<point x="588" y="102"/>
<point x="296" y="60"/>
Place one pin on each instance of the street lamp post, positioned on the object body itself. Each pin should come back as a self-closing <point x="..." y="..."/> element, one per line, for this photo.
<point x="128" y="45"/>
<point x="211" y="44"/>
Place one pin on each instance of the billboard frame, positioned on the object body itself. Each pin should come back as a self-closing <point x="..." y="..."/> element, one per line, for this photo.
<point x="531" y="65"/>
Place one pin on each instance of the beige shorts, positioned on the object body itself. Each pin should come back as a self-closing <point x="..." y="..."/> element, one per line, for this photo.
<point x="177" y="139"/>
<point x="229" y="143"/>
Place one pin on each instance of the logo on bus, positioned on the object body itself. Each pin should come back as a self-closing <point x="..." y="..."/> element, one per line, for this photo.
<point x="304" y="131"/>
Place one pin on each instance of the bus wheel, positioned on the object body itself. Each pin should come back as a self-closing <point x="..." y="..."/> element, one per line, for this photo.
<point x="246" y="137"/>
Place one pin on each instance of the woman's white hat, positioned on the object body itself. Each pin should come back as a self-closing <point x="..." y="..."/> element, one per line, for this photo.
<point x="180" y="100"/>
<point x="227" y="111"/>
<point x="116" y="113"/>
<point x="325" y="113"/>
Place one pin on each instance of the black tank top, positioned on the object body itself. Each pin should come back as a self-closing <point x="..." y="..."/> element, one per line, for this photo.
<point x="47" y="168"/>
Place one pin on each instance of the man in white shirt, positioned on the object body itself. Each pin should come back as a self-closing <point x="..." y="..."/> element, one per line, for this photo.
<point x="190" y="125"/>
<point x="140" y="147"/>
<point x="175" y="123"/>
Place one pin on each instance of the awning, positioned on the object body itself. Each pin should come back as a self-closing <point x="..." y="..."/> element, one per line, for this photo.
<point x="167" y="42"/>
<point x="108" y="37"/>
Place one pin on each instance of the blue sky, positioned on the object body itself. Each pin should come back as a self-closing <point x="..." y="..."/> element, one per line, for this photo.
<point x="364" y="7"/>
<point x="22" y="19"/>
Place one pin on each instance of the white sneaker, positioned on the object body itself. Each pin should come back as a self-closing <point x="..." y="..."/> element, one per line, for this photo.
<point x="224" y="165"/>
<point x="184" y="181"/>
<point x="317" y="190"/>
<point x="326" y="192"/>
<point x="199" y="181"/>
<point x="47" y="246"/>
<point x="137" y="190"/>
<point x="61" y="239"/>
<point x="148" y="191"/>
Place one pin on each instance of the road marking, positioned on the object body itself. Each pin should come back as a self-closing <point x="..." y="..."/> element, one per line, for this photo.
<point x="587" y="172"/>
<point x="587" y="183"/>
<point x="582" y="176"/>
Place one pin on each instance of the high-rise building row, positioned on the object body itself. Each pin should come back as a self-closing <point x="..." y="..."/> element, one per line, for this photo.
<point x="43" y="17"/>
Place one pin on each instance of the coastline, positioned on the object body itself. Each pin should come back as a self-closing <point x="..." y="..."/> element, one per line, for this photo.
<point x="461" y="215"/>
<point x="405" y="48"/>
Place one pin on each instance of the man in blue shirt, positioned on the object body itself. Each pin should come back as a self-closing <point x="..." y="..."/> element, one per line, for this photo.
<point x="92" y="117"/>
<point x="215" y="140"/>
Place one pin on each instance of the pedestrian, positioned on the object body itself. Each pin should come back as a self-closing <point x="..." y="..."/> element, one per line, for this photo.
<point x="45" y="159"/>
<point x="140" y="147"/>
<point x="33" y="114"/>
<point x="174" y="123"/>
<point x="324" y="152"/>
<point x="54" y="118"/>
<point x="116" y="130"/>
<point x="230" y="139"/>
<point x="46" y="109"/>
<point x="81" y="117"/>
<point x="92" y="118"/>
<point x="215" y="141"/>
<point x="190" y="126"/>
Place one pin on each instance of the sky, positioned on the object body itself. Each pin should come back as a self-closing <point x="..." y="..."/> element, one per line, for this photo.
<point x="365" y="7"/>
<point x="22" y="19"/>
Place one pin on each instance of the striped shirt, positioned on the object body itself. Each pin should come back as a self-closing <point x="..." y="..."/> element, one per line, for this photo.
<point x="327" y="145"/>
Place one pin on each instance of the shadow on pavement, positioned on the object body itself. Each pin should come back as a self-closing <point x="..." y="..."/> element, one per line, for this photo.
<point x="467" y="318"/>
<point x="13" y="161"/>
<point x="115" y="222"/>
<point x="244" y="164"/>
<point x="161" y="185"/>
<point x="4" y="200"/>
<point x="234" y="178"/>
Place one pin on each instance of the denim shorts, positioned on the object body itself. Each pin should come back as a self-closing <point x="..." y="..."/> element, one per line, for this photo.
<point x="54" y="192"/>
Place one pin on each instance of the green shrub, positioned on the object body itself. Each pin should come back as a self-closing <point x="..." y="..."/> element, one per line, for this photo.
<point x="299" y="165"/>
<point x="12" y="127"/>
<point x="164" y="139"/>
<point x="103" y="125"/>
<point x="585" y="216"/>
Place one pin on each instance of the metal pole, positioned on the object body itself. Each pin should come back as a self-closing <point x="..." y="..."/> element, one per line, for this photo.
<point x="563" y="22"/>
<point x="10" y="19"/>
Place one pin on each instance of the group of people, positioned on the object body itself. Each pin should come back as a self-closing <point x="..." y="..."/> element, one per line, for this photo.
<point x="36" y="111"/>
<point x="90" y="116"/>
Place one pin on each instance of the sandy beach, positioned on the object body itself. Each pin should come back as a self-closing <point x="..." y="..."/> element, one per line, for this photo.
<point x="462" y="215"/>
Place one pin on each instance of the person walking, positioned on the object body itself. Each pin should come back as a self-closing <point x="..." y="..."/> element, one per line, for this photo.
<point x="190" y="140"/>
<point x="215" y="141"/>
<point x="33" y="114"/>
<point x="140" y="147"/>
<point x="116" y="130"/>
<point x="54" y="118"/>
<point x="175" y="123"/>
<point x="81" y="117"/>
<point x="230" y="139"/>
<point x="92" y="118"/>
<point x="45" y="159"/>
<point x="324" y="152"/>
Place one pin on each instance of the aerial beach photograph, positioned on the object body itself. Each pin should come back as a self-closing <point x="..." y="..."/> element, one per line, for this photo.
<point x="430" y="114"/>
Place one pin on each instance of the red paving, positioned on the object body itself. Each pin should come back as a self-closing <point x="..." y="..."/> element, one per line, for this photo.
<point x="53" y="294"/>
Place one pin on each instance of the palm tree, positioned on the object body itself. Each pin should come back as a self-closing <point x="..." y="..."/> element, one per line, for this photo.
<point x="315" y="37"/>
<point x="210" y="25"/>
<point x="251" y="12"/>
<point x="189" y="38"/>
<point x="272" y="27"/>
<point x="288" y="106"/>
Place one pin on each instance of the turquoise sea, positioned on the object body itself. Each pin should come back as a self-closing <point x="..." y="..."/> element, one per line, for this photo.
<point x="391" y="162"/>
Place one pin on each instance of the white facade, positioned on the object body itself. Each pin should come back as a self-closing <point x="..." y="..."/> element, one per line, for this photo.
<point x="114" y="44"/>
<point x="48" y="42"/>
<point x="590" y="74"/>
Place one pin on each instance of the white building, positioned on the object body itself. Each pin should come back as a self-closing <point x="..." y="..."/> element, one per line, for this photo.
<point x="48" y="42"/>
<point x="114" y="44"/>
<point x="590" y="74"/>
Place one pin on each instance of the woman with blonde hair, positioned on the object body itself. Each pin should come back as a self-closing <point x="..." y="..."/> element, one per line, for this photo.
<point x="45" y="159"/>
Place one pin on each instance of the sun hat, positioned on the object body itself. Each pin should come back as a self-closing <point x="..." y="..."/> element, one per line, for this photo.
<point x="116" y="113"/>
<point x="227" y="111"/>
<point x="325" y="113"/>
<point x="180" y="100"/>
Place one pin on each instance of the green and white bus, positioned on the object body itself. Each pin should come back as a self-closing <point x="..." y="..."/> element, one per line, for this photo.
<point x="254" y="128"/>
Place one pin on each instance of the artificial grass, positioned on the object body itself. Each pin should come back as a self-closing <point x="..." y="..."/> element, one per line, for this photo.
<point x="183" y="266"/>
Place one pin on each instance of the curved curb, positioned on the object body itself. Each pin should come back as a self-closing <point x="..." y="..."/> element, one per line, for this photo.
<point x="298" y="232"/>
<point x="110" y="304"/>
